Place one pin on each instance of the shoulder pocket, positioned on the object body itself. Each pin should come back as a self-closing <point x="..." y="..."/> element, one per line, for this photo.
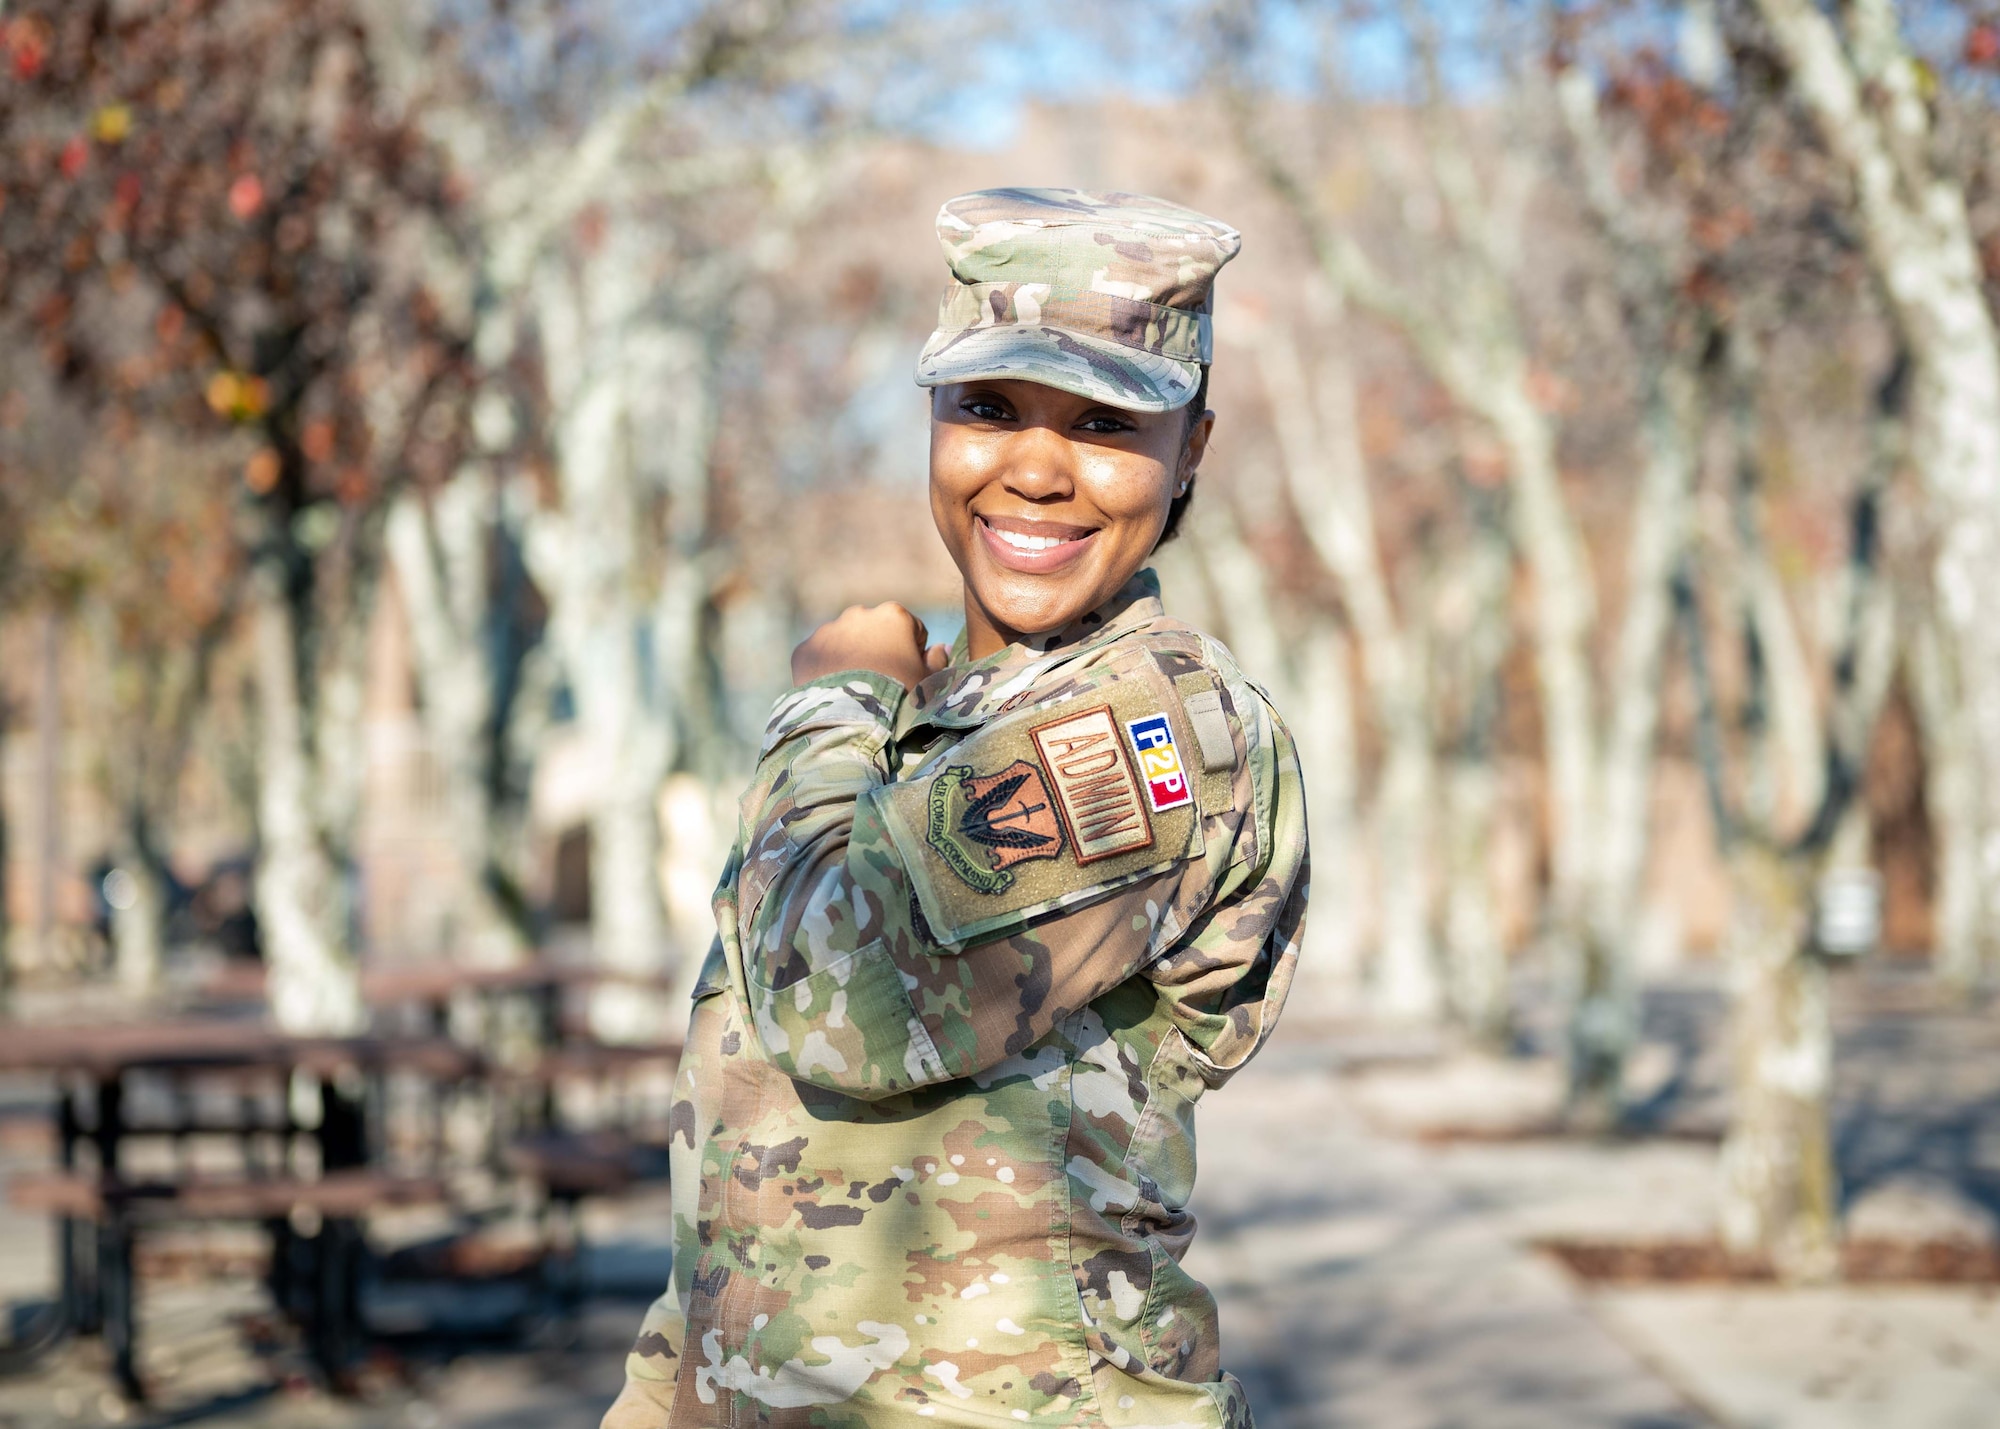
<point x="1049" y="807"/>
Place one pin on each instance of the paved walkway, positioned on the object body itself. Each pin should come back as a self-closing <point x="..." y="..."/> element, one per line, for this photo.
<point x="1361" y="1286"/>
<point x="1890" y="1358"/>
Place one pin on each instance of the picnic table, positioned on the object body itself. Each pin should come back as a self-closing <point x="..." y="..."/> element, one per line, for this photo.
<point x="312" y="1210"/>
<point x="311" y="1183"/>
<point x="421" y="998"/>
<point x="432" y="988"/>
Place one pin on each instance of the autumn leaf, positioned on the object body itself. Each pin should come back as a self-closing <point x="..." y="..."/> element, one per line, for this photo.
<point x="262" y="471"/>
<point x="238" y="396"/>
<point x="316" y="441"/>
<point x="1982" y="45"/>
<point x="28" y="42"/>
<point x="112" y="124"/>
<point x="246" y="196"/>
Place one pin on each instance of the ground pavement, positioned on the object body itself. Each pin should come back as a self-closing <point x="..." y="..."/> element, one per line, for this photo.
<point x="1360" y="1286"/>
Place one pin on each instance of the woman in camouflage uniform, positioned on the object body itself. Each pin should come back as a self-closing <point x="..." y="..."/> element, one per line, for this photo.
<point x="998" y="916"/>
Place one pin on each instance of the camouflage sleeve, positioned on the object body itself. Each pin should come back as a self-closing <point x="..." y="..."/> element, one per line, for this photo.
<point x="900" y="933"/>
<point x="1228" y="981"/>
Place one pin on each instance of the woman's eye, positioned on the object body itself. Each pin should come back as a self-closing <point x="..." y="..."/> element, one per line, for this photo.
<point x="1104" y="426"/>
<point x="984" y="410"/>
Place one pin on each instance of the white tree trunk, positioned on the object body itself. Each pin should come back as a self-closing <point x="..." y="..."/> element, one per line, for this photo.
<point x="1476" y="351"/>
<point x="439" y="554"/>
<point x="1565" y="612"/>
<point x="1660" y="523"/>
<point x="1471" y="634"/>
<point x="590" y="559"/>
<point x="301" y="900"/>
<point x="1407" y="987"/>
<point x="1959" y="942"/>
<point x="1780" y="1191"/>
<point x="1591" y="956"/>
<point x="1326" y="471"/>
<point x="1321" y="716"/>
<point x="1868" y="97"/>
<point x="1238" y="578"/>
<point x="697" y="820"/>
<point x="1604" y="1008"/>
<point x="138" y="922"/>
<point x="627" y="916"/>
<point x="1476" y="954"/>
<point x="1309" y="681"/>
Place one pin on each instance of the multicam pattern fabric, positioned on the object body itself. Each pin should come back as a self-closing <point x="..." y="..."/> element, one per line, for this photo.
<point x="1103" y="294"/>
<point x="933" y="1135"/>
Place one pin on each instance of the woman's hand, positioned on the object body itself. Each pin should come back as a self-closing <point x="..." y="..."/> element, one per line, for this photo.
<point x="884" y="638"/>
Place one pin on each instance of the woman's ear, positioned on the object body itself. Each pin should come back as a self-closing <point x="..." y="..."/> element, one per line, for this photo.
<point x="1193" y="450"/>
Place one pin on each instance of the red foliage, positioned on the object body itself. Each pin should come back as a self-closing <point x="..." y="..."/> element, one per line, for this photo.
<point x="246" y="175"/>
<point x="27" y="43"/>
<point x="246" y="196"/>
<point x="1982" y="45"/>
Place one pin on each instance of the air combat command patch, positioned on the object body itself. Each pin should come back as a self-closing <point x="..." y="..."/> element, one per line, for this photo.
<point x="982" y="825"/>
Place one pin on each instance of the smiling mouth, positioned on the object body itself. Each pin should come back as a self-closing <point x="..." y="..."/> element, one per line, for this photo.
<point x="1033" y="547"/>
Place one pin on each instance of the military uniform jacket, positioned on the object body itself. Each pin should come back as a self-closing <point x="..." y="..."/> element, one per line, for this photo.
<point x="982" y="948"/>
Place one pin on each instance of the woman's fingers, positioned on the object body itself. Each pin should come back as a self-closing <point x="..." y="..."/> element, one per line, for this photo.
<point x="936" y="658"/>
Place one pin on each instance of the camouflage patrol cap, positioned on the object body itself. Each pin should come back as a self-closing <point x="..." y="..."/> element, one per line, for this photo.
<point x="1106" y="295"/>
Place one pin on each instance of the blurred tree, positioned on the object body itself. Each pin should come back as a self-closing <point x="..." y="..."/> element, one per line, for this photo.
<point x="1326" y="474"/>
<point x="545" y="193"/>
<point x="138" y="565"/>
<point x="610" y="270"/>
<point x="1759" y="248"/>
<point x="470" y="612"/>
<point x="1780" y="1184"/>
<point x="216" y="222"/>
<point x="1465" y="215"/>
<point x="1302" y="655"/>
<point x="1876" y="103"/>
<point x="1469" y="628"/>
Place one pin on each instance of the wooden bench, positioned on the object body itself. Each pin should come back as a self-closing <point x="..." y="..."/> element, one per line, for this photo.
<point x="345" y="1194"/>
<point x="314" y="1271"/>
<point x="594" y="1061"/>
<point x="571" y="1166"/>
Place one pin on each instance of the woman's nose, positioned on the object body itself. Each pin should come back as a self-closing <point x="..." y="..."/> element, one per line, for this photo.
<point x="1041" y="463"/>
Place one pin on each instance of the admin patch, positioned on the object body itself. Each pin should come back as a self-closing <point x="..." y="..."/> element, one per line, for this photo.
<point x="1096" y="788"/>
<point x="1046" y="807"/>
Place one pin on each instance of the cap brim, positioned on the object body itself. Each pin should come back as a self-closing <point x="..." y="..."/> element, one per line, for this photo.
<point x="1106" y="372"/>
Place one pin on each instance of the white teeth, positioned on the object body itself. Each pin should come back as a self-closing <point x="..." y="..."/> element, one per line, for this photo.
<point x="1027" y="543"/>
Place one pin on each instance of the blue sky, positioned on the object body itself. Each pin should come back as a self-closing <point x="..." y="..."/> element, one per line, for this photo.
<point x="1075" y="49"/>
<point x="1071" y="49"/>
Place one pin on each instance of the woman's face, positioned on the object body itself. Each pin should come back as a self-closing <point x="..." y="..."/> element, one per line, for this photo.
<point x="1049" y="502"/>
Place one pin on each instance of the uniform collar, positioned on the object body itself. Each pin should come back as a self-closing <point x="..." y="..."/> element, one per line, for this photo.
<point x="971" y="692"/>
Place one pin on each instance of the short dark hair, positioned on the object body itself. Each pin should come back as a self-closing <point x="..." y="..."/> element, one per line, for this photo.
<point x="1197" y="405"/>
